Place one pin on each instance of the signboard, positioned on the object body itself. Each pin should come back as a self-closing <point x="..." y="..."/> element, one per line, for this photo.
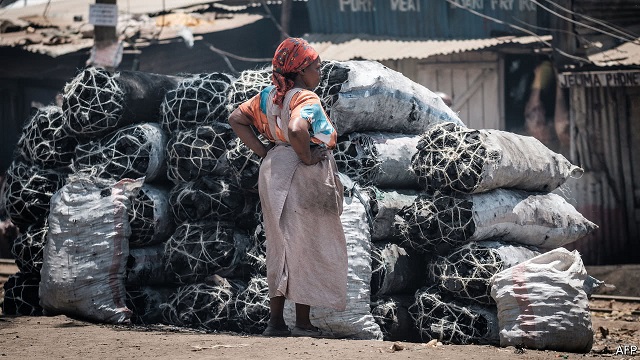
<point x="600" y="79"/>
<point x="103" y="14"/>
<point x="432" y="19"/>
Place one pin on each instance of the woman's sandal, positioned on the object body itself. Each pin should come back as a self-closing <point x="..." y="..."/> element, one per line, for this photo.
<point x="299" y="332"/>
<point x="276" y="331"/>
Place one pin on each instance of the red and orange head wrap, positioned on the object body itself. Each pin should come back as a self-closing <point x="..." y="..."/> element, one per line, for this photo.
<point x="292" y="55"/>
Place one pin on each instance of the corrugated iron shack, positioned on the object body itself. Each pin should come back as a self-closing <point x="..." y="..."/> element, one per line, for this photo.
<point x="42" y="46"/>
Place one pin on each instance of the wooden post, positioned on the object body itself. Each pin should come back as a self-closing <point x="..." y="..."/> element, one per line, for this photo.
<point x="285" y="19"/>
<point x="564" y="38"/>
<point x="104" y="36"/>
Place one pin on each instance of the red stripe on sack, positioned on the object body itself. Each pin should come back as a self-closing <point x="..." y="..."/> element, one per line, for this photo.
<point x="526" y="319"/>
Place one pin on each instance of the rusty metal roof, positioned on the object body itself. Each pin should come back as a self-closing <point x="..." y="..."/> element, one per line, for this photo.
<point x="348" y="46"/>
<point x="627" y="54"/>
<point x="58" y="33"/>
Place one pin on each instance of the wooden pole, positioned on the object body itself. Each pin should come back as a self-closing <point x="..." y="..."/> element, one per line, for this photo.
<point x="285" y="19"/>
<point x="104" y="36"/>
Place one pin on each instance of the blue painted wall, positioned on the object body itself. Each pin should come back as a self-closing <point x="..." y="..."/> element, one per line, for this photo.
<point x="432" y="19"/>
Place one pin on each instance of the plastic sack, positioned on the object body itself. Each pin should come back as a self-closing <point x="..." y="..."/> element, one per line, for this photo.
<point x="85" y="256"/>
<point x="356" y="321"/>
<point x="542" y="303"/>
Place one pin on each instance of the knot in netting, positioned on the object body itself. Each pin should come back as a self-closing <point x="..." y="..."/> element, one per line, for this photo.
<point x="197" y="152"/>
<point x="45" y="140"/>
<point x="437" y="221"/>
<point x="198" y="100"/>
<point x="449" y="157"/>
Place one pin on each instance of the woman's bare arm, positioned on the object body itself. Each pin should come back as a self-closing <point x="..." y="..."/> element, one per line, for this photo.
<point x="241" y="125"/>
<point x="300" y="142"/>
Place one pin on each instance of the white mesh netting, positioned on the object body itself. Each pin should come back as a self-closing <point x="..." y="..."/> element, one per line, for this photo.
<point x="453" y="322"/>
<point x="466" y="272"/>
<point x="436" y="222"/>
<point x="201" y="306"/>
<point x="45" y="140"/>
<point x="391" y="313"/>
<point x="21" y="295"/>
<point x="248" y="85"/>
<point x="144" y="303"/>
<point x="244" y="163"/>
<point x="198" y="152"/>
<point x="452" y="157"/>
<point x="199" y="99"/>
<point x="27" y="192"/>
<point x="207" y="198"/>
<point x="251" y="306"/>
<point x="333" y="75"/>
<point x="150" y="216"/>
<point x="196" y="251"/>
<point x="28" y="248"/>
<point x="92" y="102"/>
<point x="357" y="157"/>
<point x="131" y="152"/>
<point x="97" y="102"/>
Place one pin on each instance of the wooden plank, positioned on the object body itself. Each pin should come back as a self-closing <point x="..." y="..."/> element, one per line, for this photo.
<point x="627" y="173"/>
<point x="491" y="116"/>
<point x="475" y="97"/>
<point x="616" y="297"/>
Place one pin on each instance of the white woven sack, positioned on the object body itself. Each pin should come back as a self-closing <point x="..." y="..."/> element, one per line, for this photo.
<point x="394" y="153"/>
<point x="522" y="162"/>
<point x="388" y="203"/>
<point x="86" y="252"/>
<point x="542" y="303"/>
<point x="356" y="321"/>
<point x="376" y="98"/>
<point x="544" y="220"/>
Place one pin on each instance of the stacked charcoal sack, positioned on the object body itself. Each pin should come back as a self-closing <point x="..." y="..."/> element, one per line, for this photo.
<point x="214" y="254"/>
<point x="486" y="207"/>
<point x="380" y="114"/>
<point x="41" y="162"/>
<point x="113" y="208"/>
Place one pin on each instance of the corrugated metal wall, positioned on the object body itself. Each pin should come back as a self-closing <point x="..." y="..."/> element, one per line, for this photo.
<point x="433" y="19"/>
<point x="606" y="140"/>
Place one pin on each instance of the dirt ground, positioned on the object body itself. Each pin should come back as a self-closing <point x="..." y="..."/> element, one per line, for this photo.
<point x="616" y="324"/>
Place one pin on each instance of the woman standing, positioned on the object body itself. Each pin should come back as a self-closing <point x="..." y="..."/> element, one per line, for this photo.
<point x="300" y="193"/>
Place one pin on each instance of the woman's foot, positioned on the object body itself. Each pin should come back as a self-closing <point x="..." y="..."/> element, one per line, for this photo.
<point x="312" y="331"/>
<point x="281" y="330"/>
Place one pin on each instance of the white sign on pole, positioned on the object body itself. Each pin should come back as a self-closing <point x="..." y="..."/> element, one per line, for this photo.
<point x="103" y="14"/>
